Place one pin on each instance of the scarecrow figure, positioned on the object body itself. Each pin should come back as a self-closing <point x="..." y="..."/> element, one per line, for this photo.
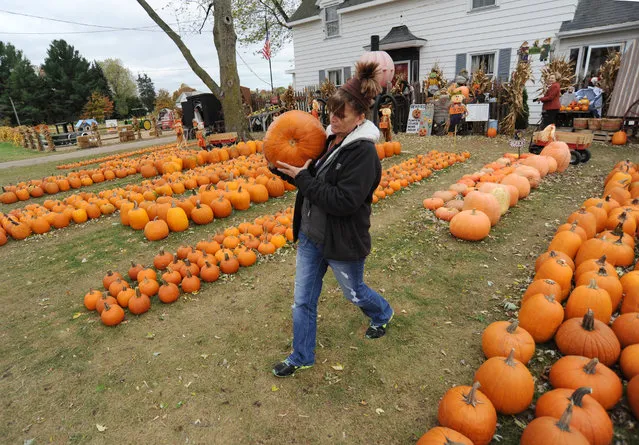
<point x="179" y="134"/>
<point x="385" y="123"/>
<point x="199" y="134"/>
<point x="523" y="52"/>
<point x="545" y="50"/>
<point x="96" y="133"/>
<point x="315" y="109"/>
<point x="136" y="127"/>
<point x="457" y="111"/>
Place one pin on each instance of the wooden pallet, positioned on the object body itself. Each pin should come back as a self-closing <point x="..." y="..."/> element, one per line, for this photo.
<point x="602" y="135"/>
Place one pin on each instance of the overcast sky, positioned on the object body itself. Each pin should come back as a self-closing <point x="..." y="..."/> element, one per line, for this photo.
<point x="149" y="52"/>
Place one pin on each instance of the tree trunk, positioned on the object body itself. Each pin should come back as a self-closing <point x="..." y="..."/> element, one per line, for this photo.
<point x="225" y="39"/>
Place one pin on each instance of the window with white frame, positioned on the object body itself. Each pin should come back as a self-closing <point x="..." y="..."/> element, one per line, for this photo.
<point x="335" y="76"/>
<point x="331" y="21"/>
<point x="484" y="61"/>
<point x="476" y="4"/>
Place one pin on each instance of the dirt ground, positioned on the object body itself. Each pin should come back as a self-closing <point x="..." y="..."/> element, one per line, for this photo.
<point x="199" y="371"/>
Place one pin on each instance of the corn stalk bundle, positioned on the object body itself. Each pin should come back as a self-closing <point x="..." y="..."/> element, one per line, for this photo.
<point x="327" y="89"/>
<point x="562" y="69"/>
<point x="480" y="82"/>
<point x="608" y="76"/>
<point x="514" y="96"/>
<point x="288" y="98"/>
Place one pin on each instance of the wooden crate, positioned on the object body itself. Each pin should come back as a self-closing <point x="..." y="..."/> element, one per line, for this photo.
<point x="574" y="140"/>
<point x="602" y="136"/>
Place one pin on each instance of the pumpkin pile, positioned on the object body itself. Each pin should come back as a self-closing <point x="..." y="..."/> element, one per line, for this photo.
<point x="477" y="201"/>
<point x="155" y="197"/>
<point x="584" y="281"/>
<point x="414" y="170"/>
<point x="185" y="270"/>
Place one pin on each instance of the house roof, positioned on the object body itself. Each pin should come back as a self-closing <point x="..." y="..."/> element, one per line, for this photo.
<point x="598" y="13"/>
<point x="308" y="8"/>
<point x="397" y="35"/>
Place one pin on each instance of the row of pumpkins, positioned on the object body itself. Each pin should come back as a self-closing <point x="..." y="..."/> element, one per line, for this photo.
<point x="19" y="223"/>
<point x="120" y="155"/>
<point x="235" y="246"/>
<point x="596" y="242"/>
<point x="185" y="270"/>
<point x="162" y="161"/>
<point x="477" y="201"/>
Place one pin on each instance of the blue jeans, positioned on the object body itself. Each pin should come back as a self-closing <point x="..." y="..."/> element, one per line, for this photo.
<point x="310" y="270"/>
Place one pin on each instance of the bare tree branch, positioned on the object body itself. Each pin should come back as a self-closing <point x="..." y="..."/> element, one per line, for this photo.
<point x="274" y="13"/>
<point x="197" y="69"/>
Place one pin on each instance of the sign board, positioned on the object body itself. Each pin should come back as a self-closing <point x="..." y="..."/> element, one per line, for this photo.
<point x="112" y="125"/>
<point x="420" y="116"/>
<point x="477" y="112"/>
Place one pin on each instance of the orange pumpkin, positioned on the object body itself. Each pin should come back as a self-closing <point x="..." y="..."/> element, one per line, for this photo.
<point x="293" y="138"/>
<point x="619" y="138"/>
<point x="492" y="132"/>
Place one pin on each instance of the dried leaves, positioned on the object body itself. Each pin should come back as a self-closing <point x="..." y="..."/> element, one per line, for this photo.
<point x="514" y="96"/>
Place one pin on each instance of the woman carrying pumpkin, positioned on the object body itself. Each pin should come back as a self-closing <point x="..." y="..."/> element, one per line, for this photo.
<point x="332" y="217"/>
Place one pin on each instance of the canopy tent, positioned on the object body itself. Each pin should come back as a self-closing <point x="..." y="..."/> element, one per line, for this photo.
<point x="626" y="90"/>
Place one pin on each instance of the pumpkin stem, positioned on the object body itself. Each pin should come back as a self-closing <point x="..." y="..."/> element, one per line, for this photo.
<point x="601" y="262"/>
<point x="618" y="231"/>
<point x="552" y="253"/>
<point x="471" y="397"/>
<point x="591" y="366"/>
<point x="588" y="322"/>
<point x="577" y="397"/>
<point x="602" y="271"/>
<point x="550" y="298"/>
<point x="106" y="306"/>
<point x="564" y="423"/>
<point x="593" y="284"/>
<point x="510" y="360"/>
<point x="512" y="327"/>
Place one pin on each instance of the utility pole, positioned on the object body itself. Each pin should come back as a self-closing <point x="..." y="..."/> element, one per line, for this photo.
<point x="14" y="111"/>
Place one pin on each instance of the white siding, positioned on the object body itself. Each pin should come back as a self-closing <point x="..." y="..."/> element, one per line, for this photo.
<point x="446" y="24"/>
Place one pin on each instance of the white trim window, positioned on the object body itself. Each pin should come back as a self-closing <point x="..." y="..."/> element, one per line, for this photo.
<point x="480" y="4"/>
<point x="487" y="60"/>
<point x="331" y="21"/>
<point x="336" y="76"/>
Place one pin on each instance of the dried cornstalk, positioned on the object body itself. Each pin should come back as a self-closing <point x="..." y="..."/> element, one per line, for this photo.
<point x="513" y="96"/>
<point x="288" y="98"/>
<point x="327" y="89"/>
<point x="480" y="82"/>
<point x="608" y="76"/>
<point x="562" y="69"/>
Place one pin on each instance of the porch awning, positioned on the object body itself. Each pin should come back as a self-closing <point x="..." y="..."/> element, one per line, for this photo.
<point x="399" y="37"/>
<point x="626" y="90"/>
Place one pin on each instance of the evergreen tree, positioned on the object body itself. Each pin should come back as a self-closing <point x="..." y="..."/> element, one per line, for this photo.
<point x="68" y="79"/>
<point x="146" y="90"/>
<point x="99" y="81"/>
<point x="20" y="83"/>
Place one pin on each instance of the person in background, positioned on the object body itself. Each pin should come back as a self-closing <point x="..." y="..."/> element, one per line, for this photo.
<point x="550" y="102"/>
<point x="332" y="217"/>
<point x="596" y="98"/>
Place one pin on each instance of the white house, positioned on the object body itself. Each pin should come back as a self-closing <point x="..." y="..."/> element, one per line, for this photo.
<point x="330" y="35"/>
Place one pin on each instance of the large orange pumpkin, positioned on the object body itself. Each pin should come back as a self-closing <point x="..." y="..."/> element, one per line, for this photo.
<point x="293" y="138"/>
<point x="560" y="151"/>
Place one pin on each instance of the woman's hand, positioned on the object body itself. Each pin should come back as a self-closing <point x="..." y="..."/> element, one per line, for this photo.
<point x="291" y="170"/>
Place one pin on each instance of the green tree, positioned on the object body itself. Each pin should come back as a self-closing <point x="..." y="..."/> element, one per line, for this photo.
<point x="121" y="83"/>
<point x="225" y="14"/>
<point x="99" y="81"/>
<point x="68" y="80"/>
<point x="146" y="90"/>
<point x="20" y="83"/>
<point x="99" y="107"/>
<point x="164" y="100"/>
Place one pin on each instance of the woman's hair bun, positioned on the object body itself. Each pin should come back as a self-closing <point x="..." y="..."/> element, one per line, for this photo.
<point x="366" y="72"/>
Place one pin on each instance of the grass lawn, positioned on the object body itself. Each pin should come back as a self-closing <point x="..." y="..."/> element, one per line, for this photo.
<point x="10" y="152"/>
<point x="199" y="371"/>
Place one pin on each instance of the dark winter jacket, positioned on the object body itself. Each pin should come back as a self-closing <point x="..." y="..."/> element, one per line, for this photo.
<point x="345" y="194"/>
